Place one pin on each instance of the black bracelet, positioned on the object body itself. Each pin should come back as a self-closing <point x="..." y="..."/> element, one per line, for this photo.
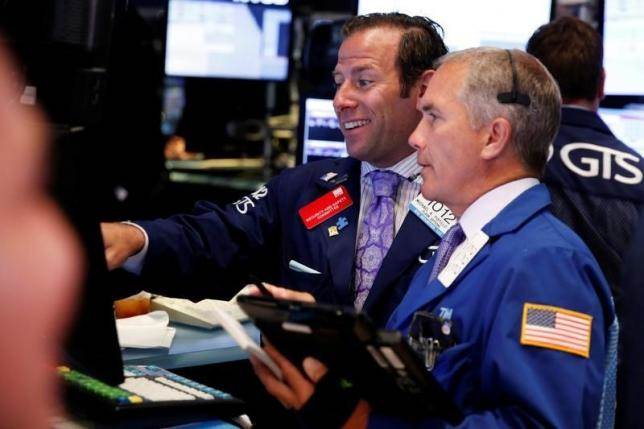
<point x="331" y="405"/>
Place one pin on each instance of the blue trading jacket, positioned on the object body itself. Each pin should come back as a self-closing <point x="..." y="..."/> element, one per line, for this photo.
<point x="262" y="232"/>
<point x="531" y="257"/>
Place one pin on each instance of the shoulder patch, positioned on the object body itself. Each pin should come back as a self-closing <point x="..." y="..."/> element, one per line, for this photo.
<point x="556" y="328"/>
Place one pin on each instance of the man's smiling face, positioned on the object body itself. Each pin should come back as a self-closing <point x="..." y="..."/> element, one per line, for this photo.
<point x="375" y="120"/>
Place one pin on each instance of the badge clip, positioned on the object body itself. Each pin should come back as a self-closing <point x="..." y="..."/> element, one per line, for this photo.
<point x="328" y="176"/>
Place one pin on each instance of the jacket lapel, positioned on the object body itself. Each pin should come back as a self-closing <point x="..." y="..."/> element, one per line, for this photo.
<point x="423" y="296"/>
<point x="410" y="241"/>
<point x="341" y="247"/>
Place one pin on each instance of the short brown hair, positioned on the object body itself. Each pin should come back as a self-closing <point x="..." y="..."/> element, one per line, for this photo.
<point x="573" y="53"/>
<point x="419" y="45"/>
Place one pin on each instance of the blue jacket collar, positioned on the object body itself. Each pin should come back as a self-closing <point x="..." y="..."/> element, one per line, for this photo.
<point x="347" y="172"/>
<point x="585" y="119"/>
<point x="519" y="211"/>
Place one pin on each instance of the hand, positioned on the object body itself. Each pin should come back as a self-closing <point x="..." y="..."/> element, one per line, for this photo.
<point x="280" y="293"/>
<point x="296" y="388"/>
<point x="121" y="241"/>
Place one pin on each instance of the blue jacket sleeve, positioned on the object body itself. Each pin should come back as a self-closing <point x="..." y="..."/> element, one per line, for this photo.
<point x="216" y="237"/>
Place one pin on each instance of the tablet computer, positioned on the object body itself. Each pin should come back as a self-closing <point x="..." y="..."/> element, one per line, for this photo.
<point x="381" y="365"/>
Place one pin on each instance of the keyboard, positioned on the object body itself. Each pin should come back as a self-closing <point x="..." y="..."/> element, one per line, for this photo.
<point x="148" y="391"/>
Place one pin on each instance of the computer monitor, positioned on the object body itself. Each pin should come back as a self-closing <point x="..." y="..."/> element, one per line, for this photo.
<point x="92" y="344"/>
<point x="499" y="23"/>
<point x="320" y="135"/>
<point x="235" y="39"/>
<point x="627" y="124"/>
<point x="63" y="50"/>
<point x="624" y="47"/>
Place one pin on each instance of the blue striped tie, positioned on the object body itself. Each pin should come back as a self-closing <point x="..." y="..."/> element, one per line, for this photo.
<point x="452" y="238"/>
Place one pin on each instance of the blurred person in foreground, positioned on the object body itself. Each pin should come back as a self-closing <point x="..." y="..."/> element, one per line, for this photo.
<point x="39" y="265"/>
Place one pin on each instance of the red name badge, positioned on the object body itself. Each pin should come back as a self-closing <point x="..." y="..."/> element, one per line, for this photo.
<point x="325" y="207"/>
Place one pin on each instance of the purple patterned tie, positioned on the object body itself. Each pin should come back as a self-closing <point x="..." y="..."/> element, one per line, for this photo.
<point x="452" y="238"/>
<point x="377" y="232"/>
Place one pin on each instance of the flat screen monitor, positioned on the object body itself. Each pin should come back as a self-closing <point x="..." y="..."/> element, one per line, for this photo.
<point x="235" y="39"/>
<point x="92" y="344"/>
<point x="627" y="124"/>
<point x="320" y="136"/>
<point x="624" y="47"/>
<point x="467" y="24"/>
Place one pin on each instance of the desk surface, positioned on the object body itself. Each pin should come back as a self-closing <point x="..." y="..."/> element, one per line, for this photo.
<point x="192" y="347"/>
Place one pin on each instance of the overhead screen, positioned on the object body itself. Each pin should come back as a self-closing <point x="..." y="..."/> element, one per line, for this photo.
<point x="624" y="47"/>
<point x="235" y="39"/>
<point x="321" y="135"/>
<point x="499" y="23"/>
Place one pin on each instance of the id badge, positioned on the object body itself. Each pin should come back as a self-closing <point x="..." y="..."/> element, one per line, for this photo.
<point x="435" y="215"/>
<point x="325" y="207"/>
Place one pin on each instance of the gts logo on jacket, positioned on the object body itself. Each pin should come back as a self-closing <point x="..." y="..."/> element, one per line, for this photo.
<point x="591" y="160"/>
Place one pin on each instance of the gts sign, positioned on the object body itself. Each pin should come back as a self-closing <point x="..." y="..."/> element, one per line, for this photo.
<point x="598" y="161"/>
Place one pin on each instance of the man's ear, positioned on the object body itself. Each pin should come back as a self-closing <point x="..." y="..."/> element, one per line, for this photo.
<point x="497" y="138"/>
<point x="424" y="80"/>
<point x="600" y="87"/>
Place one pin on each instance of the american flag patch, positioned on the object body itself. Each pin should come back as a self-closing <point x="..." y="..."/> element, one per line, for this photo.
<point x="556" y="328"/>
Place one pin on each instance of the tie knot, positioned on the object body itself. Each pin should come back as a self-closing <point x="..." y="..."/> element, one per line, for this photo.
<point x="385" y="183"/>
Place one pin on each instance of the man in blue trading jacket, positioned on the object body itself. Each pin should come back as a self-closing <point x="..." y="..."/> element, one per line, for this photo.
<point x="595" y="180"/>
<point x="529" y="307"/>
<point x="303" y="228"/>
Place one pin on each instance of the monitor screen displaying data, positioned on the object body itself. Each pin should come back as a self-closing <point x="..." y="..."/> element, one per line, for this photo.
<point x="321" y="136"/>
<point x="499" y="23"/>
<point x="624" y="47"/>
<point x="236" y="39"/>
<point x="627" y="124"/>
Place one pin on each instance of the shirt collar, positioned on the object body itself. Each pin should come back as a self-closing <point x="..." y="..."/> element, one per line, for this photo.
<point x="490" y="204"/>
<point x="406" y="167"/>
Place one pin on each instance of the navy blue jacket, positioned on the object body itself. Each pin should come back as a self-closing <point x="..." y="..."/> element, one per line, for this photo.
<point x="630" y="380"/>
<point x="498" y="381"/>
<point x="595" y="182"/>
<point x="262" y="232"/>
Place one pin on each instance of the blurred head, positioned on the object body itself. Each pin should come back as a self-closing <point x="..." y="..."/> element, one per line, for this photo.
<point x="467" y="141"/>
<point x="573" y="52"/>
<point x="377" y="76"/>
<point x="39" y="257"/>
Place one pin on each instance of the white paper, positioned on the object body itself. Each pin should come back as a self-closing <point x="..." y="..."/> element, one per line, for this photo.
<point x="237" y="331"/>
<point x="146" y="331"/>
<point x="198" y="314"/>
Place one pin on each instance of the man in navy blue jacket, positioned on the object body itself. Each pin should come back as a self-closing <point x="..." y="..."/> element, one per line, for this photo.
<point x="300" y="229"/>
<point x="595" y="180"/>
